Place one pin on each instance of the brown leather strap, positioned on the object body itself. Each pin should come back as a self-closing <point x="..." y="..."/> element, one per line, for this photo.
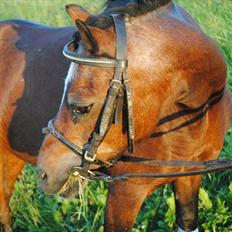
<point x="130" y="115"/>
<point x="211" y="166"/>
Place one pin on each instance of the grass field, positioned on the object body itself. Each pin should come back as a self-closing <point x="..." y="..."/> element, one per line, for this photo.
<point x="34" y="211"/>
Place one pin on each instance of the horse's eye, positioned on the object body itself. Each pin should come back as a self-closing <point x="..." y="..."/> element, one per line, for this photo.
<point x="77" y="110"/>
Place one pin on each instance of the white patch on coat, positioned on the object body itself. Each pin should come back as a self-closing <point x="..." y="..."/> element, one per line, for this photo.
<point x="180" y="230"/>
<point x="69" y="78"/>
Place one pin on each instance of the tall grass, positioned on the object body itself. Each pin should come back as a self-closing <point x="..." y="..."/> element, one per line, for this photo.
<point x="34" y="211"/>
<point x="50" y="12"/>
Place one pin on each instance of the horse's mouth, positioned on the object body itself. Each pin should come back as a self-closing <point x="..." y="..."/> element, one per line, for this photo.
<point x="73" y="186"/>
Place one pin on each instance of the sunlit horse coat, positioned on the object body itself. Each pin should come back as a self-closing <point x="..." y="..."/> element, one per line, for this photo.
<point x="32" y="71"/>
<point x="181" y="106"/>
<point x="173" y="67"/>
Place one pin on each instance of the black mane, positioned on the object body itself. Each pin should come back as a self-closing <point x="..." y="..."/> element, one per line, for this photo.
<point x="125" y="7"/>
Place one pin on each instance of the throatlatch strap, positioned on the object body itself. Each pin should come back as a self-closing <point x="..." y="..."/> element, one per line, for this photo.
<point x="109" y="105"/>
<point x="119" y="106"/>
<point x="130" y="116"/>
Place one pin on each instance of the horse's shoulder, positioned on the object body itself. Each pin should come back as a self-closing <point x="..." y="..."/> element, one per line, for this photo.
<point x="197" y="62"/>
<point x="181" y="54"/>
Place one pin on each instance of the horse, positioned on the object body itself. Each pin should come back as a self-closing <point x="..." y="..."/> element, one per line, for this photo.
<point x="35" y="77"/>
<point x="158" y="97"/>
<point x="32" y="71"/>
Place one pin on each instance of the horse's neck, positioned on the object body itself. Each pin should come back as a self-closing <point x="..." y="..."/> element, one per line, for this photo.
<point x="156" y="42"/>
<point x="132" y="5"/>
<point x="169" y="9"/>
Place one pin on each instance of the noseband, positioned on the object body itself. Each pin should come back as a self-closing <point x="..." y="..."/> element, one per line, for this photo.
<point x="119" y="87"/>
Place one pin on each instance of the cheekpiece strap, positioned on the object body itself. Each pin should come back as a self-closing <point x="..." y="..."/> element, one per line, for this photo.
<point x="119" y="88"/>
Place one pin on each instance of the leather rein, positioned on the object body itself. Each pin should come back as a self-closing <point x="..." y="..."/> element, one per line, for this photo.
<point x="119" y="91"/>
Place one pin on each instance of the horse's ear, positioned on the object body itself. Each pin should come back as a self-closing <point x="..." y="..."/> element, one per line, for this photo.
<point x="86" y="36"/>
<point x="77" y="12"/>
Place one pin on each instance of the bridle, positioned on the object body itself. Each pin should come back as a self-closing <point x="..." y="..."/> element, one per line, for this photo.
<point x="119" y="91"/>
<point x="119" y="87"/>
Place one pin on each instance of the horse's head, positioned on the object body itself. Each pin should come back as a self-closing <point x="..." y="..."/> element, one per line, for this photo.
<point x="86" y="88"/>
<point x="96" y="92"/>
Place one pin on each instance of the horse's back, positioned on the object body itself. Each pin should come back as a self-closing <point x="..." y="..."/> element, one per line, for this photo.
<point x="32" y="72"/>
<point x="23" y="23"/>
<point x="16" y="38"/>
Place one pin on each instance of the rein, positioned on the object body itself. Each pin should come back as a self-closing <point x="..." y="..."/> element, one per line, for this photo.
<point x="210" y="166"/>
<point x="119" y="87"/>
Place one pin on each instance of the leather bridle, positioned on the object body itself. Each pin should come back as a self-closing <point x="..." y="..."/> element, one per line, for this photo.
<point x="119" y="87"/>
<point x="119" y="91"/>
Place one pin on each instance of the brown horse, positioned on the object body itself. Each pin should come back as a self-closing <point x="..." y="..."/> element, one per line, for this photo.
<point x="181" y="108"/>
<point x="32" y="70"/>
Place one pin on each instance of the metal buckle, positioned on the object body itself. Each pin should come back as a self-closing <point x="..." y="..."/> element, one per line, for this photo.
<point x="117" y="82"/>
<point x="88" y="157"/>
<point x="108" y="179"/>
<point x="45" y="130"/>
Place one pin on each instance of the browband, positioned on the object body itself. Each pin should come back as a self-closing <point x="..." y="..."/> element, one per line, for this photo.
<point x="91" y="61"/>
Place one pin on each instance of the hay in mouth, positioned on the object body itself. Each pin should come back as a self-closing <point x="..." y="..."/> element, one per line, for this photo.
<point x="73" y="186"/>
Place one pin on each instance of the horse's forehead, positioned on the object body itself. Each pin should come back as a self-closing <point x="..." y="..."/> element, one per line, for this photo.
<point x="87" y="82"/>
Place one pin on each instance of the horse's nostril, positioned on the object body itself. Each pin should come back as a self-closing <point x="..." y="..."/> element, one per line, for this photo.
<point x="42" y="175"/>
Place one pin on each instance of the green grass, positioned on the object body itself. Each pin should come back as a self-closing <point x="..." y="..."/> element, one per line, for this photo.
<point x="50" y="12"/>
<point x="34" y="211"/>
